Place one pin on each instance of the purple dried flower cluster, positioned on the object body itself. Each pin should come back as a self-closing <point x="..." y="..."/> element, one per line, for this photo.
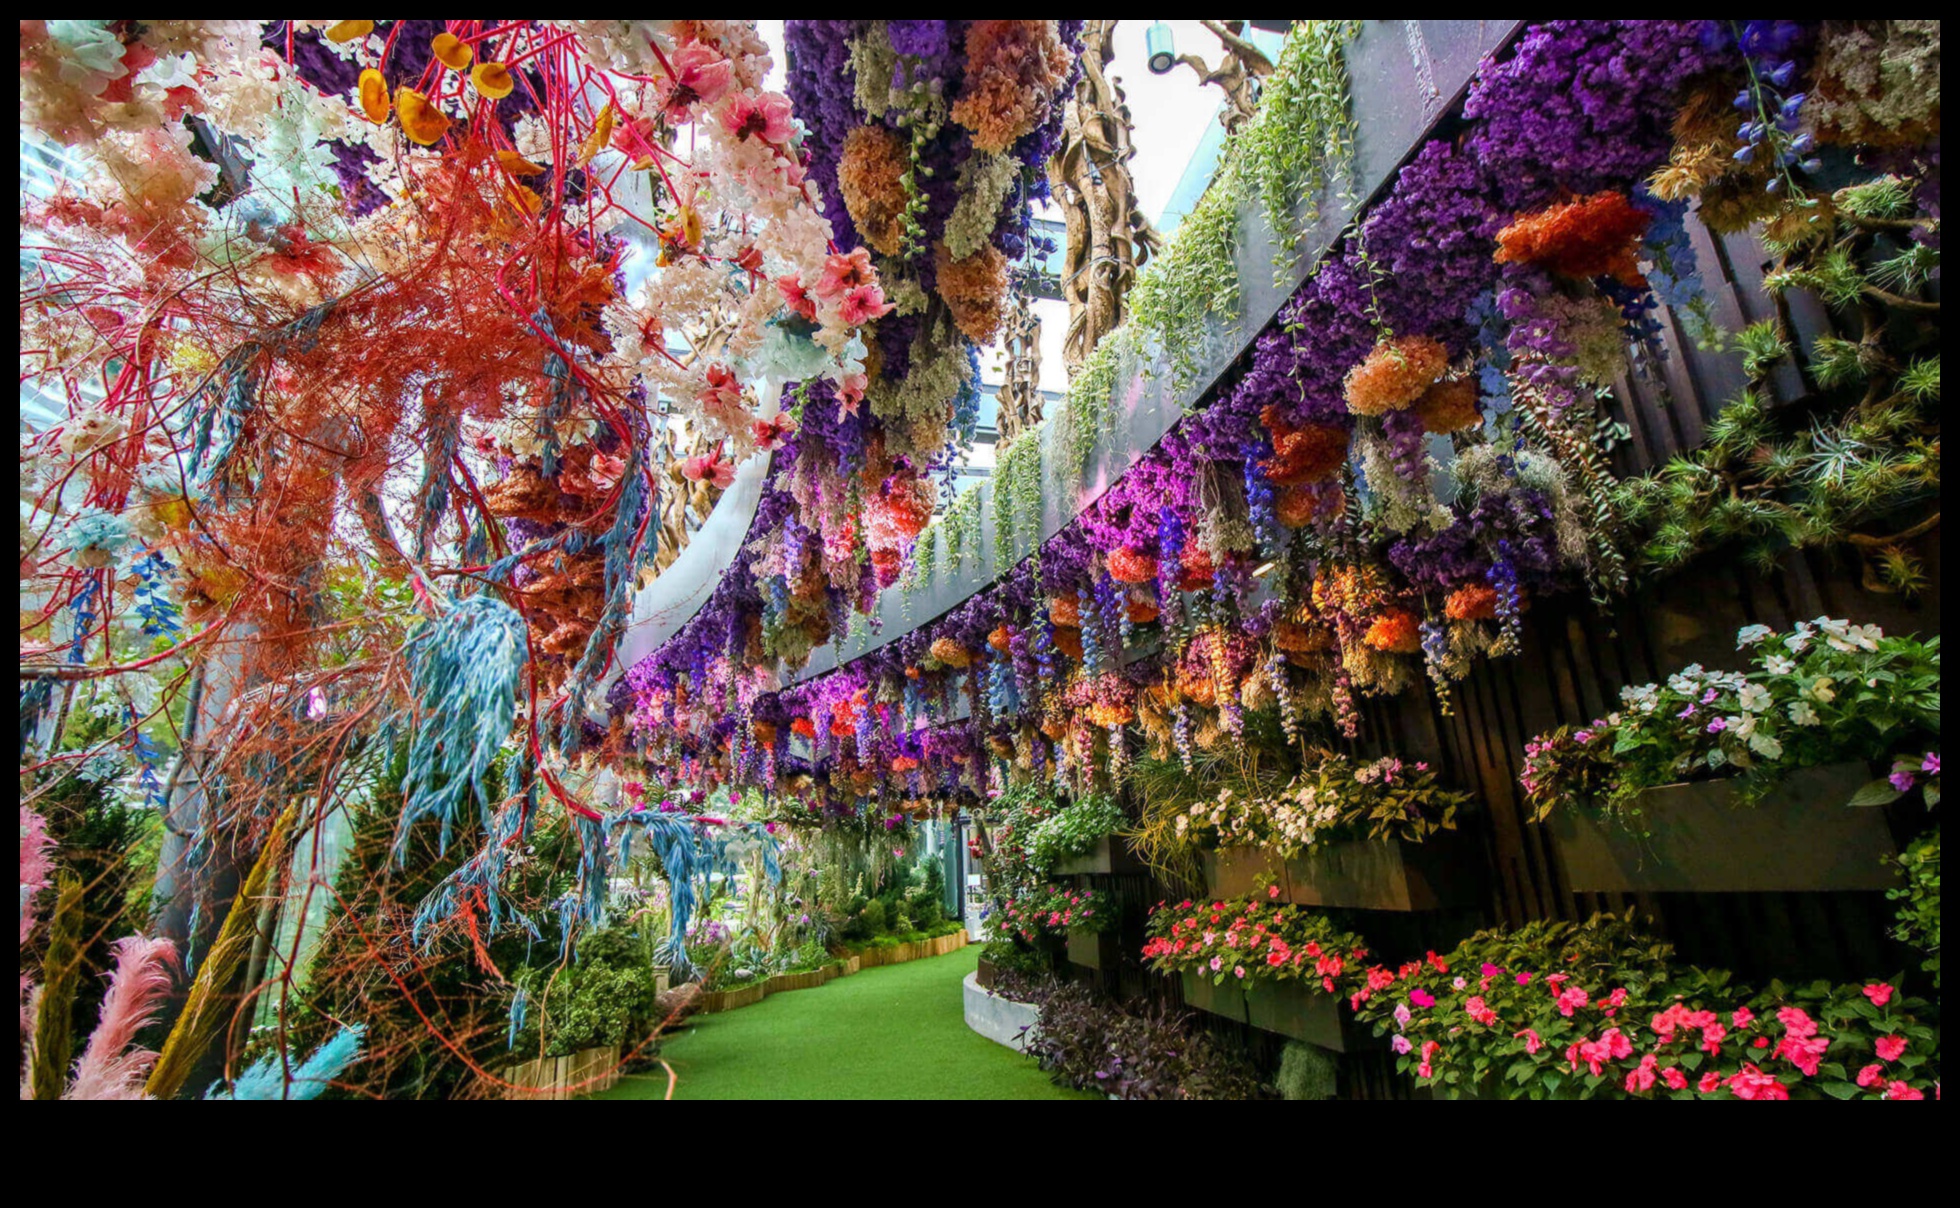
<point x="1581" y="106"/>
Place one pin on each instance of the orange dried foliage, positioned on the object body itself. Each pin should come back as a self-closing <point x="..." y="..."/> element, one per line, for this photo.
<point x="1595" y="236"/>
<point x="869" y="175"/>
<point x="1014" y="71"/>
<point x="973" y="289"/>
<point x="1449" y="406"/>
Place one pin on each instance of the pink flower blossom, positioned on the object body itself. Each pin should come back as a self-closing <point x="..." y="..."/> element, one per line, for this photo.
<point x="1891" y="1048"/>
<point x="1422" y="997"/>
<point x="1804" y="1052"/>
<point x="846" y="271"/>
<point x="766" y="117"/>
<point x="1879" y="992"/>
<point x="1903" y="1090"/>
<point x="701" y="76"/>
<point x="1751" y="1083"/>
<point x="863" y="304"/>
<point x="1426" y="1069"/>
<point x="796" y="297"/>
<point x="1871" y="1075"/>
<point x="1642" y="1077"/>
<point x="1531" y="1042"/>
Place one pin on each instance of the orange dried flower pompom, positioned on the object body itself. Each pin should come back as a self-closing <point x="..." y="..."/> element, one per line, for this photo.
<point x="1595" y="236"/>
<point x="950" y="652"/>
<point x="765" y="732"/>
<point x="492" y="80"/>
<point x="517" y="165"/>
<point x="973" y="289"/>
<point x="342" y="32"/>
<point x="870" y="176"/>
<point x="1198" y="689"/>
<point x="912" y="673"/>
<point x="451" y="51"/>
<point x="1142" y="611"/>
<point x="1472" y="602"/>
<point x="1295" y="506"/>
<point x="421" y="121"/>
<point x="374" y="96"/>
<point x="1295" y="637"/>
<point x="887" y="564"/>
<point x="1131" y="566"/>
<point x="1197" y="571"/>
<point x="1110" y="714"/>
<point x="1394" y="631"/>
<point x="905" y="763"/>
<point x="1395" y="374"/>
<point x="1000" y="638"/>
<point x="803" y="726"/>
<point x="1449" y="406"/>
<point x="1002" y="745"/>
<point x="1054" y="728"/>
<point x="1014" y="71"/>
<point x="900" y="512"/>
<point x="1064" y="612"/>
<point x="1069" y="642"/>
<point x="1303" y="455"/>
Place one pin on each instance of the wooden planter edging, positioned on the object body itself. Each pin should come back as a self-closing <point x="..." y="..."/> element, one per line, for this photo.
<point x="1291" y="1008"/>
<point x="1092" y="949"/>
<point x="1802" y="836"/>
<point x="1109" y="855"/>
<point x="712" y="1001"/>
<point x="589" y="1070"/>
<point x="898" y="954"/>
<point x="1386" y="874"/>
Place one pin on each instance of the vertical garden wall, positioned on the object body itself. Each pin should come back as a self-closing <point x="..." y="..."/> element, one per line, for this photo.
<point x="1472" y="629"/>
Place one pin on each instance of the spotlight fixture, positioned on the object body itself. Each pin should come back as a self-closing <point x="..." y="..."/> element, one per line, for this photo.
<point x="1159" y="44"/>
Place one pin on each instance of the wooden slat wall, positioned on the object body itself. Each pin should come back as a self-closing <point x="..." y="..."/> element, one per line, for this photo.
<point x="1576" y="657"/>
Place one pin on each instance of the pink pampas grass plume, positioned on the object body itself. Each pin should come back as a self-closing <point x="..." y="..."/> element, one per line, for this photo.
<point x="35" y="867"/>
<point x="114" y="1066"/>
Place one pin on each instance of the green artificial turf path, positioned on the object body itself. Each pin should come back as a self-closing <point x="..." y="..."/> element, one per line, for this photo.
<point x="896" y="1032"/>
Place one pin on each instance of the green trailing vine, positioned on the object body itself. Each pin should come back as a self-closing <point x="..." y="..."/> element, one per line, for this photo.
<point x="1286" y="159"/>
<point x="1919" y="899"/>
<point x="1017" y="499"/>
<point x="962" y="528"/>
<point x="1089" y="410"/>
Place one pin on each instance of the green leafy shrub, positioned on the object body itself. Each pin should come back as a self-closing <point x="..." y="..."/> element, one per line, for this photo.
<point x="596" y="1000"/>
<point x="1826" y="692"/>
<point x="1306" y="1071"/>
<point x="1074" y="830"/>
<point x="1919" y="912"/>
